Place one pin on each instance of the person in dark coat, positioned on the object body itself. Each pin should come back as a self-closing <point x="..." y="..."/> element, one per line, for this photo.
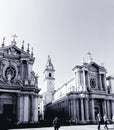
<point x="56" y="123"/>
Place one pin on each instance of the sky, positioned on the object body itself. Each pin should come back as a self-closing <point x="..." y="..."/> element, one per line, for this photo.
<point x="64" y="29"/>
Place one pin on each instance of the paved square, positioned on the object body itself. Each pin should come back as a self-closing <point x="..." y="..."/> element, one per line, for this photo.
<point x="80" y="127"/>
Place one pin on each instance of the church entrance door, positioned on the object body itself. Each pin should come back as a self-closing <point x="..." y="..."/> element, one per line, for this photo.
<point x="9" y="114"/>
<point x="99" y="108"/>
<point x="8" y="110"/>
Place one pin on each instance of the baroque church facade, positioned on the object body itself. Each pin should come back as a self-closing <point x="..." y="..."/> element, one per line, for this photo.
<point x="79" y="100"/>
<point x="18" y="84"/>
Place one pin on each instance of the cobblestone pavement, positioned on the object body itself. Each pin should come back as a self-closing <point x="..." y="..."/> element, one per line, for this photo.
<point x="80" y="127"/>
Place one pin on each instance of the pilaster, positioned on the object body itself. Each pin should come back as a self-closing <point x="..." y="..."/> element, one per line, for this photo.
<point x="20" y="108"/>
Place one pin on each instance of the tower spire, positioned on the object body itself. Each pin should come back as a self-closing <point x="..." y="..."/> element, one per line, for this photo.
<point x="49" y="63"/>
<point x="28" y="48"/>
<point x="22" y="45"/>
<point x="3" y="42"/>
<point x="49" y="60"/>
<point x="32" y="52"/>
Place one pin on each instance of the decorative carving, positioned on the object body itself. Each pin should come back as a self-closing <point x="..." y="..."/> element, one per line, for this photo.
<point x="90" y="56"/>
<point x="14" y="42"/>
<point x="10" y="73"/>
<point x="93" y="68"/>
<point x="12" y="51"/>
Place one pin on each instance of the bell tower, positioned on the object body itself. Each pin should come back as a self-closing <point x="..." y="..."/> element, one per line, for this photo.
<point x="49" y="82"/>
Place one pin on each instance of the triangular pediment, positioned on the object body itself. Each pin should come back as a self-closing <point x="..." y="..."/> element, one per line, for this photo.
<point x="95" y="67"/>
<point x="13" y="51"/>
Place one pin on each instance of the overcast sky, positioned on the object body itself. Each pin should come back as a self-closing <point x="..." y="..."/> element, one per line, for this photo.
<point x="64" y="29"/>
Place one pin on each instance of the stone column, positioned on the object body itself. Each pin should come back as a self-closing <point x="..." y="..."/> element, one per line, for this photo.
<point x="36" y="109"/>
<point x="72" y="109"/>
<point x="104" y="107"/>
<point x="21" y="69"/>
<point x="112" y="108"/>
<point x="108" y="109"/>
<point x="84" y="81"/>
<point x="74" y="105"/>
<point x="105" y="85"/>
<point x="78" y="80"/>
<point x="69" y="109"/>
<point x="87" y="110"/>
<point x="20" y="108"/>
<point x="26" y="108"/>
<point x="92" y="109"/>
<point x="88" y="80"/>
<point x="82" y="111"/>
<point x="100" y="82"/>
<point x="32" y="108"/>
<point x="77" y="109"/>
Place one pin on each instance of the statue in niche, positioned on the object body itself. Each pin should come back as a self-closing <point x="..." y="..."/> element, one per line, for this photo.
<point x="9" y="77"/>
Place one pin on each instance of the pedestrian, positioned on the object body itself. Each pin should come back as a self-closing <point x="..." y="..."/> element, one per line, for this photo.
<point x="98" y="120"/>
<point x="56" y="123"/>
<point x="105" y="121"/>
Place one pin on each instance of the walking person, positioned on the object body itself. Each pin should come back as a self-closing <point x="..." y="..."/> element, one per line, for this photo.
<point x="56" y="123"/>
<point x="105" y="121"/>
<point x="98" y="120"/>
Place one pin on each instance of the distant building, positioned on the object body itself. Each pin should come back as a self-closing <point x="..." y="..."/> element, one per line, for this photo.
<point x="18" y="85"/>
<point x="80" y="99"/>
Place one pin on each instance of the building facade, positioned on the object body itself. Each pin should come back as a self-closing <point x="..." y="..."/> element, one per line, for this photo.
<point x="18" y="85"/>
<point x="79" y="100"/>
